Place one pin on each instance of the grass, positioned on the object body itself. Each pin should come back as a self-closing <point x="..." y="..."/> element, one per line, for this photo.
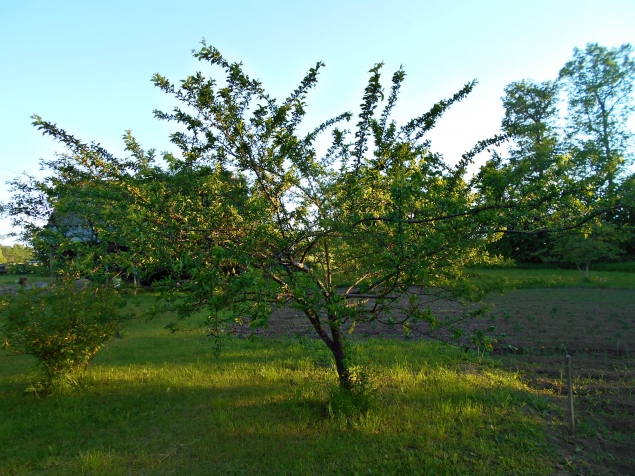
<point x="545" y="277"/>
<point x="32" y="278"/>
<point x="154" y="403"/>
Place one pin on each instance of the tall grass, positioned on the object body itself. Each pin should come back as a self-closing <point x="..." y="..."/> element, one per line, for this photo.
<point x="154" y="403"/>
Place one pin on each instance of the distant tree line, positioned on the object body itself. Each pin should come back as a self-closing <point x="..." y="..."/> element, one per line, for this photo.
<point x="16" y="253"/>
<point x="578" y="124"/>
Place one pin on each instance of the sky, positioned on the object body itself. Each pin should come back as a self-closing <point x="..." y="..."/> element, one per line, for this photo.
<point x="86" y="65"/>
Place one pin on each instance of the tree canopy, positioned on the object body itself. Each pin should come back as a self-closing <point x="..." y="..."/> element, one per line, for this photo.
<point x="599" y="83"/>
<point x="249" y="215"/>
<point x="16" y="253"/>
<point x="580" y="121"/>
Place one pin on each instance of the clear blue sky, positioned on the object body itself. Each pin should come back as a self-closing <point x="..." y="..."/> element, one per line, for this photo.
<point x="86" y="65"/>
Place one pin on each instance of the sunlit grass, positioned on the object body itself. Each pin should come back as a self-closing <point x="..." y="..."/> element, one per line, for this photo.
<point x="155" y="403"/>
<point x="545" y="277"/>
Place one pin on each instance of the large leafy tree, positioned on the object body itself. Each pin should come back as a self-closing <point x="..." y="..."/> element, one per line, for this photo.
<point x="535" y="151"/>
<point x="599" y="84"/>
<point x="531" y="113"/>
<point x="16" y="253"/>
<point x="248" y="216"/>
<point x="593" y="150"/>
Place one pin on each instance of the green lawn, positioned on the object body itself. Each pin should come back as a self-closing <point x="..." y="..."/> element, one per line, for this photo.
<point x="13" y="278"/>
<point x="545" y="277"/>
<point x="155" y="403"/>
<point x="8" y="279"/>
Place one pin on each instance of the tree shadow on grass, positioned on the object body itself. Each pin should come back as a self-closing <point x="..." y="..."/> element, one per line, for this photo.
<point x="148" y="425"/>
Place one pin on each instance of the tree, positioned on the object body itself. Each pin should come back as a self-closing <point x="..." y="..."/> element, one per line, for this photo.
<point x="596" y="240"/>
<point x="594" y="152"/>
<point x="530" y="122"/>
<point x="599" y="85"/>
<point x="624" y="217"/>
<point x="531" y="113"/>
<point x="249" y="217"/>
<point x="16" y="253"/>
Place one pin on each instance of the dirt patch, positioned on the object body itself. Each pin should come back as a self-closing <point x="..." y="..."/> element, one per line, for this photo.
<point x="597" y="328"/>
<point x="570" y="319"/>
<point x="604" y="402"/>
<point x="524" y="321"/>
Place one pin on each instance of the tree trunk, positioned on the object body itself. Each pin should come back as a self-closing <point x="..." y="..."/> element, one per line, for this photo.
<point x="342" y="369"/>
<point x="339" y="354"/>
<point x="335" y="343"/>
<point x="585" y="271"/>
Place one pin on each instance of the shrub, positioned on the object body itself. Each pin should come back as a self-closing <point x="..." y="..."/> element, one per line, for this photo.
<point x="347" y="404"/>
<point x="61" y="326"/>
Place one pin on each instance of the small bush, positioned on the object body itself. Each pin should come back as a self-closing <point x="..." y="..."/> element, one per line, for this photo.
<point x="354" y="402"/>
<point x="61" y="326"/>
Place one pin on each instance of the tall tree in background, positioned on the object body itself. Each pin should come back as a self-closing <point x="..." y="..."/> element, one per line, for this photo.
<point x="599" y="86"/>
<point x="16" y="253"/>
<point x="530" y="122"/>
<point x="531" y="113"/>
<point x="593" y="151"/>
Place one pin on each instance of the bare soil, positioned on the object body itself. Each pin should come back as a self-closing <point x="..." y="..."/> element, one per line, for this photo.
<point x="597" y="328"/>
<point x="532" y="331"/>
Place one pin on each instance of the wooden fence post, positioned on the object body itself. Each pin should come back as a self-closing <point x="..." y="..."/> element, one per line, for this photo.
<point x="570" y="390"/>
